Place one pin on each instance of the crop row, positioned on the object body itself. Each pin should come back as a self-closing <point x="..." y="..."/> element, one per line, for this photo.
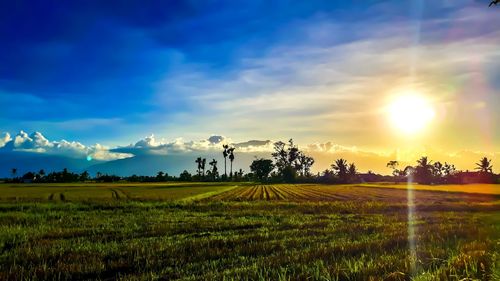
<point x="311" y="192"/>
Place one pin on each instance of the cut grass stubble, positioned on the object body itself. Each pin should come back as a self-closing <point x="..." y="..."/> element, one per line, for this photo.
<point x="246" y="232"/>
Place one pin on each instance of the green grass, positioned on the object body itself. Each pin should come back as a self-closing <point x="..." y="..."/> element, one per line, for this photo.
<point x="201" y="233"/>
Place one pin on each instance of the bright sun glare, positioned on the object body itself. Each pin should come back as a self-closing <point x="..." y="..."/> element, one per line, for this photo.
<point x="410" y="113"/>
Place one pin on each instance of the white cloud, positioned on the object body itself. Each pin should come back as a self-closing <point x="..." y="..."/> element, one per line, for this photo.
<point x="4" y="138"/>
<point x="37" y="143"/>
<point x="149" y="145"/>
<point x="147" y="142"/>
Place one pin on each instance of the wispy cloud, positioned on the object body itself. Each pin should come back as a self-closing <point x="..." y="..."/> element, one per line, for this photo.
<point x="319" y="91"/>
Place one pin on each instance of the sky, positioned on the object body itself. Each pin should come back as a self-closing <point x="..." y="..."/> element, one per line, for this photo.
<point x="97" y="78"/>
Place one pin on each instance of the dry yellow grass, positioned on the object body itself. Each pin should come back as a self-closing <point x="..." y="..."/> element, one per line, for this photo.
<point x="354" y="193"/>
<point x="242" y="191"/>
<point x="467" y="188"/>
<point x="109" y="191"/>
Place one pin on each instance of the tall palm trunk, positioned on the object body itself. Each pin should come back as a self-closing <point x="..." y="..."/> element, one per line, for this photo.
<point x="231" y="158"/>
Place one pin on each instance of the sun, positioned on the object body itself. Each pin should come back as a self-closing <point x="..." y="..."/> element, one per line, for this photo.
<point x="410" y="113"/>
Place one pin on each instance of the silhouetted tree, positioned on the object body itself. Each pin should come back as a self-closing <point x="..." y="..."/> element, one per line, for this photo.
<point x="438" y="169"/>
<point x="424" y="171"/>
<point x="341" y="169"/>
<point x="308" y="162"/>
<point x="393" y="164"/>
<point x="199" y="161"/>
<point x="41" y="173"/>
<point x="293" y="152"/>
<point x="214" y="173"/>
<point x="304" y="164"/>
<point x="352" y="172"/>
<point x="448" y="169"/>
<point x="160" y="176"/>
<point x="261" y="168"/>
<point x="409" y="171"/>
<point x="449" y="173"/>
<point x="203" y="164"/>
<point x="185" y="176"/>
<point x="230" y="151"/>
<point x="84" y="176"/>
<point x="29" y="176"/>
<point x="327" y="176"/>
<point x="225" y="154"/>
<point x="397" y="173"/>
<point x="289" y="160"/>
<point x="484" y="165"/>
<point x="14" y="172"/>
<point x="65" y="175"/>
<point x="280" y="155"/>
<point x="438" y="172"/>
<point x="289" y="174"/>
<point x="240" y="174"/>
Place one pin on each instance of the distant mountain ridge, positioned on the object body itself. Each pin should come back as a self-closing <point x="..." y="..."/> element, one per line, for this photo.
<point x="173" y="164"/>
<point x="32" y="161"/>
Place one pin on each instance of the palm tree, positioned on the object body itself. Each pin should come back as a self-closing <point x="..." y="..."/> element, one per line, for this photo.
<point x="225" y="154"/>
<point x="214" y="171"/>
<point x="424" y="162"/>
<point x="203" y="162"/>
<point x="198" y="161"/>
<point x="231" y="158"/>
<point x="424" y="170"/>
<point x="484" y="165"/>
<point x="340" y="166"/>
<point x="352" y="171"/>
<point x="14" y="172"/>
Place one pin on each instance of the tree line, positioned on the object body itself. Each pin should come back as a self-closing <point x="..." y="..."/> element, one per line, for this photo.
<point x="427" y="172"/>
<point x="288" y="164"/>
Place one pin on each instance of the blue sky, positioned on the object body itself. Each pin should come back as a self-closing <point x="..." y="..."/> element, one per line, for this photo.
<point x="113" y="72"/>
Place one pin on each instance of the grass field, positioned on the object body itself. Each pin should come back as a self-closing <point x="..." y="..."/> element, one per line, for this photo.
<point x="467" y="188"/>
<point x="109" y="191"/>
<point x="349" y="193"/>
<point x="245" y="232"/>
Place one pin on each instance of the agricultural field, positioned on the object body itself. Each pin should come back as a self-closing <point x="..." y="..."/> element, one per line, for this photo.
<point x="109" y="191"/>
<point x="351" y="193"/>
<point x="242" y="231"/>
<point x="467" y="188"/>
